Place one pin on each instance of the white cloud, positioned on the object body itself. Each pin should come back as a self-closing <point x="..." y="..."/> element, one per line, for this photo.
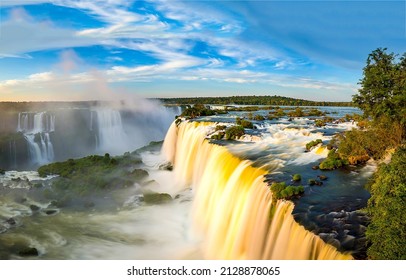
<point x="20" y="34"/>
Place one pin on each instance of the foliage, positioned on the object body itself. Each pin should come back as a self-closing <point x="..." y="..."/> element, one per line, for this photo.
<point x="258" y="118"/>
<point x="282" y="191"/>
<point x="383" y="86"/>
<point x="386" y="207"/>
<point x="234" y="132"/>
<point x="244" y="123"/>
<point x="313" y="143"/>
<point x="197" y="110"/>
<point x="298" y="112"/>
<point x="333" y="161"/>
<point x="218" y="136"/>
<point x="357" y="146"/>
<point x="220" y="127"/>
<point x="297" y="177"/>
<point x="251" y="100"/>
<point x="95" y="172"/>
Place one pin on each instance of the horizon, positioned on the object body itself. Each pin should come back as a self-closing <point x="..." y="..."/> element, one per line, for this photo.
<point x="72" y="51"/>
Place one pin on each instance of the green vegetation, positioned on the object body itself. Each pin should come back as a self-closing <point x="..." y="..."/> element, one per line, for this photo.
<point x="297" y="177"/>
<point x="252" y="100"/>
<point x="95" y="172"/>
<point x="383" y="87"/>
<point x="234" y="132"/>
<point x="197" y="110"/>
<point x="382" y="131"/>
<point x="244" y="123"/>
<point x="386" y="207"/>
<point x="282" y="191"/>
<point x="313" y="143"/>
<point x="333" y="161"/>
<point x="298" y="112"/>
<point x="218" y="136"/>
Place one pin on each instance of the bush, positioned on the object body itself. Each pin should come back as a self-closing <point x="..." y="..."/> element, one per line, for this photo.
<point x="259" y="118"/>
<point x="313" y="143"/>
<point x="244" y="123"/>
<point x="333" y="161"/>
<point x="296" y="177"/>
<point x="234" y="132"/>
<point x="220" y="127"/>
<point x="280" y="190"/>
<point x="386" y="207"/>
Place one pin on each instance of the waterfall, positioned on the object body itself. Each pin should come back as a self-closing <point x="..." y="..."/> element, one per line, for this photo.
<point x="233" y="209"/>
<point x="36" y="128"/>
<point x="13" y="153"/>
<point x="111" y="136"/>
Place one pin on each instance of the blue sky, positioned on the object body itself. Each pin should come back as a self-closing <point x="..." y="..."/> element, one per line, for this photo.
<point x="110" y="49"/>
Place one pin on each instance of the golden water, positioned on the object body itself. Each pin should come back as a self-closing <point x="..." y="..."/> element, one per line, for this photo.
<point x="233" y="209"/>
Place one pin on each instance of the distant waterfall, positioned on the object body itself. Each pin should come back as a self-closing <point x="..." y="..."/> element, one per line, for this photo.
<point x="36" y="128"/>
<point x="233" y="208"/>
<point x="111" y="136"/>
<point x="13" y="153"/>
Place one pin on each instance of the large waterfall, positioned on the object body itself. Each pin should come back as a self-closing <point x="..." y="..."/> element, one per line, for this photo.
<point x="36" y="128"/>
<point x="233" y="208"/>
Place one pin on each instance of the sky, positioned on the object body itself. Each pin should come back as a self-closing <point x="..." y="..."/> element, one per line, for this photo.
<point x="113" y="49"/>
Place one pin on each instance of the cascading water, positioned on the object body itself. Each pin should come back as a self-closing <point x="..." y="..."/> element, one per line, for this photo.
<point x="233" y="208"/>
<point x="111" y="136"/>
<point x="36" y="128"/>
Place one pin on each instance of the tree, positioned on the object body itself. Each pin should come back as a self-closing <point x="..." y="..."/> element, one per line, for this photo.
<point x="383" y="86"/>
<point x="386" y="207"/>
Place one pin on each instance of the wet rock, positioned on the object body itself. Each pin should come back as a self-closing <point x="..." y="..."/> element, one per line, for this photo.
<point x="29" y="252"/>
<point x="157" y="198"/>
<point x="166" y="166"/>
<point x="348" y="242"/>
<point x="334" y="242"/>
<point x="11" y="221"/>
<point x="51" y="212"/>
<point x="315" y="167"/>
<point x="318" y="183"/>
<point x="322" y="177"/>
<point x="34" y="207"/>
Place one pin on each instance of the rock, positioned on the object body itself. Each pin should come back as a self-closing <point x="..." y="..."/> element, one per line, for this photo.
<point x="348" y="242"/>
<point x="50" y="212"/>
<point x="29" y="252"/>
<point x="318" y="183"/>
<point x="322" y="177"/>
<point x="315" y="167"/>
<point x="312" y="182"/>
<point x="2" y="171"/>
<point x="34" y="207"/>
<point x="11" y="221"/>
<point x="166" y="166"/>
<point x="156" y="198"/>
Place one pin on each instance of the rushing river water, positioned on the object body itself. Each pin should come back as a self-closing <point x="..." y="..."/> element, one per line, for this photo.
<point x="206" y="219"/>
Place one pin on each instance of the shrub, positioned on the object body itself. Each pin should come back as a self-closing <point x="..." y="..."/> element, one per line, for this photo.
<point x="234" y="132"/>
<point x="259" y="118"/>
<point x="280" y="190"/>
<point x="296" y="177"/>
<point x="386" y="207"/>
<point x="244" y="123"/>
<point x="313" y="143"/>
<point x="333" y="161"/>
